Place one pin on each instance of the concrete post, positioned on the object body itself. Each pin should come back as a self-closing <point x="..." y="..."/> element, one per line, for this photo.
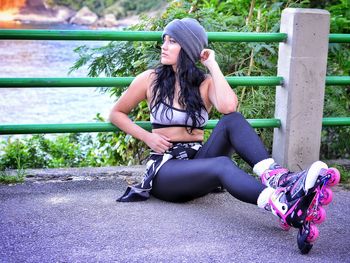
<point x="302" y="62"/>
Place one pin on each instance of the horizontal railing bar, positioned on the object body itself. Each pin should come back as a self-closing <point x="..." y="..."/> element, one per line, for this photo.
<point x="246" y="37"/>
<point x="336" y="121"/>
<point x="339" y="38"/>
<point x="337" y="80"/>
<point x="65" y="82"/>
<point x="125" y="81"/>
<point x="107" y="127"/>
<point x="105" y="35"/>
<point x="119" y="82"/>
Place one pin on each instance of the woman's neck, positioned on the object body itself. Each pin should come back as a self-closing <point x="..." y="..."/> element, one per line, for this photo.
<point x="174" y="68"/>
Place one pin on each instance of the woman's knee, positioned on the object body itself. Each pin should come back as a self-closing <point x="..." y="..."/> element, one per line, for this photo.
<point x="234" y="117"/>
<point x="223" y="165"/>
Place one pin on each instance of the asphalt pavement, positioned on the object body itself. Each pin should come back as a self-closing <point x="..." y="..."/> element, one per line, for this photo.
<point x="80" y="221"/>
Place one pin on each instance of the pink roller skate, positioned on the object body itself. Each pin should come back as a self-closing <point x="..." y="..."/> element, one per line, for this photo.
<point x="278" y="176"/>
<point x="321" y="195"/>
<point x="299" y="202"/>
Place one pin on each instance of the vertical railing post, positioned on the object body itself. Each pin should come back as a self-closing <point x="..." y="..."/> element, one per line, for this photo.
<point x="302" y="62"/>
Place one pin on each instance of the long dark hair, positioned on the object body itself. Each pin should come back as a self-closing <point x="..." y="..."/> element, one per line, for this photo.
<point x="190" y="78"/>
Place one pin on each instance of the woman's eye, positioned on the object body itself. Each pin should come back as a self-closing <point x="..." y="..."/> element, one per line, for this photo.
<point x="171" y="41"/>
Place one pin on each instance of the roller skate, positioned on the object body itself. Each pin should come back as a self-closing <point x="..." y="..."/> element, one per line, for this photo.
<point x="277" y="176"/>
<point x="321" y="196"/>
<point x="299" y="202"/>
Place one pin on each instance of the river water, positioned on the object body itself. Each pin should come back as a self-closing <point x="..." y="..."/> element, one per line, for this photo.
<point x="39" y="58"/>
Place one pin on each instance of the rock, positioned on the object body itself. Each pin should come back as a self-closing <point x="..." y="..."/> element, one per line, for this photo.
<point x="128" y="21"/>
<point x="84" y="17"/>
<point x="63" y="13"/>
<point x="109" y="20"/>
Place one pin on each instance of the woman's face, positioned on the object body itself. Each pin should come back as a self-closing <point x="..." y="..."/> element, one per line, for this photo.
<point x="170" y="51"/>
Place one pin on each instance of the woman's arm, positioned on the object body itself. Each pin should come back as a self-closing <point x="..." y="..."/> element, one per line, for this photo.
<point x="137" y="92"/>
<point x="221" y="94"/>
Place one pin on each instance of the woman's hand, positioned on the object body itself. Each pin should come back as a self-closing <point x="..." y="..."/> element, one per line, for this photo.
<point x="158" y="143"/>
<point x="207" y="57"/>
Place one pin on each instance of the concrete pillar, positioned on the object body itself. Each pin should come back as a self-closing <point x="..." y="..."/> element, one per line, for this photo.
<point x="302" y="62"/>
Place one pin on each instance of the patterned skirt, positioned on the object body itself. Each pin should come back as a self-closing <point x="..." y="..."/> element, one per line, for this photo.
<point x="141" y="191"/>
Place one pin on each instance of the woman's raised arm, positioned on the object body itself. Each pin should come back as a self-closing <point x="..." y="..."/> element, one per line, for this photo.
<point x="221" y="94"/>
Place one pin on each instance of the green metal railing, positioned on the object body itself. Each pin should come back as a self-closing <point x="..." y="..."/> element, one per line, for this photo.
<point x="41" y="34"/>
<point x="125" y="81"/>
<point x="108" y="127"/>
<point x="119" y="82"/>
<point x="83" y="35"/>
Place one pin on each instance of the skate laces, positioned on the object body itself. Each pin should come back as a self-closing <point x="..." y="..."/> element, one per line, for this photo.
<point x="271" y="177"/>
<point x="297" y="185"/>
<point x="289" y="178"/>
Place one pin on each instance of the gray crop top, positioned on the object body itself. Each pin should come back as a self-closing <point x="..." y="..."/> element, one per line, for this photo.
<point x="173" y="117"/>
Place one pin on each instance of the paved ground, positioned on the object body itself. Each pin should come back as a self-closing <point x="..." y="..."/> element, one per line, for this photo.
<point x="79" y="221"/>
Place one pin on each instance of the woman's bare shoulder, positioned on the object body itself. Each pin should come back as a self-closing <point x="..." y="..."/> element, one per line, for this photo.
<point x="145" y="76"/>
<point x="206" y="82"/>
<point x="143" y="80"/>
<point x="208" y="79"/>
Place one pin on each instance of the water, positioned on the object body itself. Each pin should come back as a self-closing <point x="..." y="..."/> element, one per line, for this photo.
<point x="41" y="58"/>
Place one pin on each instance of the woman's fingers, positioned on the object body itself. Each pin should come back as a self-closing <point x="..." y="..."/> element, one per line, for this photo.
<point x="160" y="143"/>
<point x="165" y="141"/>
<point x="165" y="145"/>
<point x="205" y="54"/>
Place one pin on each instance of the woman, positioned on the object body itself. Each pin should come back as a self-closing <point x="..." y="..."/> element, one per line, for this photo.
<point x="180" y="96"/>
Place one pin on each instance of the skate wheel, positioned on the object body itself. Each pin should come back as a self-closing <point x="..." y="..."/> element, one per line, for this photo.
<point x="326" y="196"/>
<point x="313" y="234"/>
<point x="320" y="216"/>
<point x="303" y="245"/>
<point x="335" y="176"/>
<point x="284" y="225"/>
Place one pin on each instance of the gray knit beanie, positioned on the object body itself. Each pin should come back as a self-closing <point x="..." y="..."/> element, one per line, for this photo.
<point x="189" y="34"/>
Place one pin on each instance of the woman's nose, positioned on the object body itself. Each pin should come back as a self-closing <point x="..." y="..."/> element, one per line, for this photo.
<point x="164" y="45"/>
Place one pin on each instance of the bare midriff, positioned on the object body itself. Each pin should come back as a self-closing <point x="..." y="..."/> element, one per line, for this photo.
<point x="180" y="134"/>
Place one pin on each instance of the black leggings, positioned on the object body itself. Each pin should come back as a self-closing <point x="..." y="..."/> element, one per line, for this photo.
<point x="212" y="167"/>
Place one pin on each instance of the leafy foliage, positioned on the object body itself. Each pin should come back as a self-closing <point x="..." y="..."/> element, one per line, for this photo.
<point x="73" y="150"/>
<point x="235" y="59"/>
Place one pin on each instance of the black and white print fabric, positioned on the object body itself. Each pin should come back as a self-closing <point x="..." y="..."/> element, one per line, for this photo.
<point x="141" y="191"/>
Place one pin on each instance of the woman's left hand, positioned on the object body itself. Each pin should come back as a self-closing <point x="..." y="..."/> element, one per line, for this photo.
<point x="207" y="57"/>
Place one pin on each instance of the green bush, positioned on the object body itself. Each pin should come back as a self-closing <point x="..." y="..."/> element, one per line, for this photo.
<point x="131" y="58"/>
<point x="12" y="179"/>
<point x="235" y="59"/>
<point x="69" y="150"/>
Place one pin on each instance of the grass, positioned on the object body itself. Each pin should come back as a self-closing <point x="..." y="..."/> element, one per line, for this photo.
<point x="344" y="175"/>
<point x="6" y="178"/>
